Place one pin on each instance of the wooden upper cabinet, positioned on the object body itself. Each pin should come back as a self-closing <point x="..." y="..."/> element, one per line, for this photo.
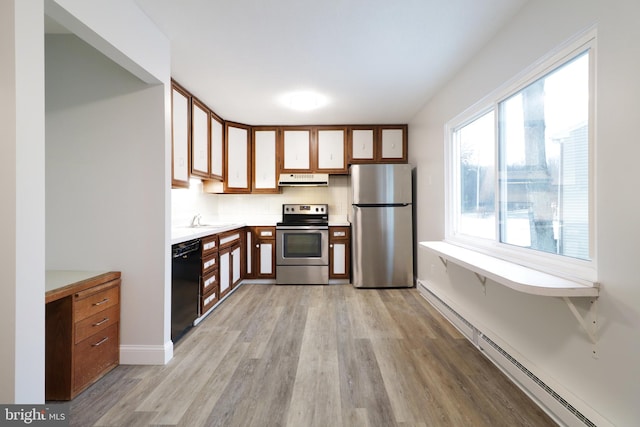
<point x="331" y="149"/>
<point x="377" y="144"/>
<point x="313" y="149"/>
<point x="221" y="153"/>
<point x="362" y="145"/>
<point x="217" y="147"/>
<point x="180" y="136"/>
<point x="237" y="158"/>
<point x="265" y="164"/>
<point x="200" y="139"/>
<point x="295" y="151"/>
<point x="393" y="144"/>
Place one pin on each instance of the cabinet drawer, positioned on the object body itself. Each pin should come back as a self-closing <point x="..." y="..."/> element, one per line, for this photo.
<point x="209" y="282"/>
<point x="209" y="300"/>
<point x="209" y="262"/>
<point x="95" y="356"/>
<point x="265" y="232"/>
<point x="338" y="233"/>
<point x="209" y="244"/>
<point x="228" y="238"/>
<point x="96" y="323"/>
<point x="90" y="302"/>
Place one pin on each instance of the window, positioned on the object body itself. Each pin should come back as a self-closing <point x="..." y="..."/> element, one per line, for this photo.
<point x="476" y="145"/>
<point x="544" y="163"/>
<point x="520" y="167"/>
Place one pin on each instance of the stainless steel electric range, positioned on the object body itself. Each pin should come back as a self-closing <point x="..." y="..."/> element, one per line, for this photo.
<point x="302" y="245"/>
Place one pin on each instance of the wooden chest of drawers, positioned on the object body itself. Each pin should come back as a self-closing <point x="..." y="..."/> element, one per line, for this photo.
<point x="82" y="334"/>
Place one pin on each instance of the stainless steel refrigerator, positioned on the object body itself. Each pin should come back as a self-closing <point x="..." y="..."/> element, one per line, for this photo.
<point x="381" y="217"/>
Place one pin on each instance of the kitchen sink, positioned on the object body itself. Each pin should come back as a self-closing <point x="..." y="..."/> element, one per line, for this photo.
<point x="216" y="225"/>
<point x="180" y="232"/>
<point x="206" y="225"/>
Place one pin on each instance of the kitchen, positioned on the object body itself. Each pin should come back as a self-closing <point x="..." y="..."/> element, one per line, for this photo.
<point x="116" y="220"/>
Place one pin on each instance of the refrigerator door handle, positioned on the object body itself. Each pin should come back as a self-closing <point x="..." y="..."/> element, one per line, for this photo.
<point x="380" y="205"/>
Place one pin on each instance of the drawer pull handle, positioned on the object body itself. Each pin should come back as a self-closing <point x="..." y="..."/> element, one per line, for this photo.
<point x="102" y="341"/>
<point x="103" y="321"/>
<point x="101" y="302"/>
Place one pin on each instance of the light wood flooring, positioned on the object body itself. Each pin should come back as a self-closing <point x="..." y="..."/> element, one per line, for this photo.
<point x="314" y="356"/>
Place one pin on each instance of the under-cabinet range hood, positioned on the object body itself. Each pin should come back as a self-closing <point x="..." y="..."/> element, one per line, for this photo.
<point x="303" y="179"/>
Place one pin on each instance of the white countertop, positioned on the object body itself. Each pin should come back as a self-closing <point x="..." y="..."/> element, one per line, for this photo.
<point x="509" y="274"/>
<point x="55" y="279"/>
<point x="184" y="233"/>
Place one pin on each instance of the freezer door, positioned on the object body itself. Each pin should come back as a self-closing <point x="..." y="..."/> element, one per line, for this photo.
<point x="382" y="247"/>
<point x="381" y="184"/>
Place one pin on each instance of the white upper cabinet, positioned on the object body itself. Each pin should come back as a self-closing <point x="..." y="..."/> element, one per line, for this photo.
<point x="377" y="144"/>
<point x="313" y="149"/>
<point x="392" y="143"/>
<point x="331" y="150"/>
<point x="296" y="150"/>
<point x="180" y="136"/>
<point x="238" y="158"/>
<point x="362" y="144"/>
<point x="200" y="139"/>
<point x="217" y="147"/>
<point x="265" y="179"/>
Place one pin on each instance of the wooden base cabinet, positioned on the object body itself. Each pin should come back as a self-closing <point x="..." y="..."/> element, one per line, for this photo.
<point x="339" y="252"/>
<point x="231" y="257"/>
<point x="209" y="280"/>
<point x="261" y="252"/>
<point x="82" y="338"/>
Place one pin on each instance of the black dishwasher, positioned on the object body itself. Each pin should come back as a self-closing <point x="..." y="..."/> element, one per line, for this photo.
<point x="185" y="286"/>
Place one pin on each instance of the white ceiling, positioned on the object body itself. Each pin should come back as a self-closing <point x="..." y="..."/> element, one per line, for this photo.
<point x="378" y="61"/>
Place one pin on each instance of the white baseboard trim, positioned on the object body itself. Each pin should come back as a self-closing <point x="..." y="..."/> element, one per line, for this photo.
<point x="146" y="354"/>
<point x="259" y="281"/>
<point x="559" y="403"/>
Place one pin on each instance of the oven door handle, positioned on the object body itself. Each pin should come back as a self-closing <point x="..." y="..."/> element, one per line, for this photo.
<point x="302" y="227"/>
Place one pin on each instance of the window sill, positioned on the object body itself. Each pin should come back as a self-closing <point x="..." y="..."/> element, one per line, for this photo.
<point x="509" y="274"/>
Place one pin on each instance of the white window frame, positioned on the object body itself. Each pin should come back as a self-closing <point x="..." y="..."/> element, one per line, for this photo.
<point x="560" y="265"/>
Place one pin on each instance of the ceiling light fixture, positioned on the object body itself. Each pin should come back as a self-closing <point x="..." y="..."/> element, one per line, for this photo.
<point x="304" y="100"/>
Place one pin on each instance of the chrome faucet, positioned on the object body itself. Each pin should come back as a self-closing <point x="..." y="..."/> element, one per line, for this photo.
<point x="195" y="222"/>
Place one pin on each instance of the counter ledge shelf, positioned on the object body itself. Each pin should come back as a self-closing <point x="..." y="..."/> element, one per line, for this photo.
<point x="520" y="278"/>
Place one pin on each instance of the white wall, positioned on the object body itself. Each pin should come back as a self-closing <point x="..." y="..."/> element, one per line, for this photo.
<point x="22" y="208"/>
<point x="542" y="330"/>
<point x="105" y="183"/>
<point x="112" y="131"/>
<point x="118" y="29"/>
<point x="22" y="173"/>
<point x="257" y="209"/>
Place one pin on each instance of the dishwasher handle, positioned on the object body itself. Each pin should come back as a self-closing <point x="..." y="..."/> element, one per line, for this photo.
<point x="180" y="250"/>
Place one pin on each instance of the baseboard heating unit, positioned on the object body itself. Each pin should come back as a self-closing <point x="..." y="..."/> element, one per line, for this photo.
<point x="543" y="394"/>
